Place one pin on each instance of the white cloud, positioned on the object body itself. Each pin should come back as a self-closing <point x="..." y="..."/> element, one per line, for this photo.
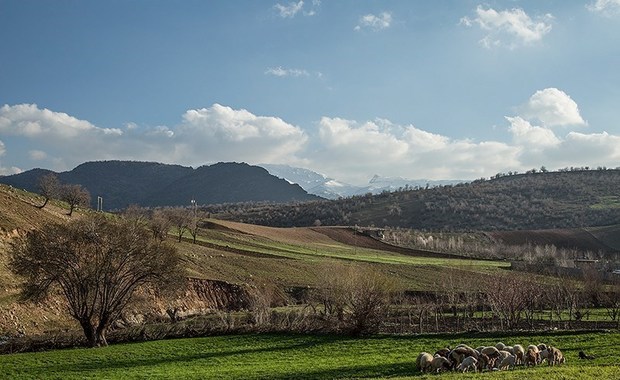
<point x="347" y="150"/>
<point x="526" y="134"/>
<point x="223" y="133"/>
<point x="289" y="10"/>
<point x="553" y="107"/>
<point x="30" y="121"/>
<point x="217" y="133"/>
<point x="607" y="8"/>
<point x="351" y="152"/>
<point x="375" y="22"/>
<point x="282" y="72"/>
<point x="508" y="27"/>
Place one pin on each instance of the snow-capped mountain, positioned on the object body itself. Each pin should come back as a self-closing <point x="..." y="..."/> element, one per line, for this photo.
<point x="323" y="186"/>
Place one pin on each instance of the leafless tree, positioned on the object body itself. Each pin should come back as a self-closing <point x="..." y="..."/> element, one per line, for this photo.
<point x="75" y="196"/>
<point x="506" y="298"/>
<point x="160" y="224"/>
<point x="97" y="264"/>
<point x="49" y="187"/>
<point x="180" y="218"/>
<point x="612" y="301"/>
<point x="356" y="297"/>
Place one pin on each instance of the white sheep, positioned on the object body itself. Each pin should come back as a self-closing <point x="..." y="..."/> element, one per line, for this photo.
<point x="424" y="361"/>
<point x="500" y="346"/>
<point x="468" y="363"/>
<point x="508" y="362"/>
<point x="519" y="352"/>
<point x="503" y="354"/>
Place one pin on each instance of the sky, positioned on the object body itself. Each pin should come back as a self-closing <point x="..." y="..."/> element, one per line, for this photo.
<point x="453" y="89"/>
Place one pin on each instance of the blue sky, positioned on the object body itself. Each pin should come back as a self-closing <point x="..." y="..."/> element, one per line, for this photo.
<point x="417" y="89"/>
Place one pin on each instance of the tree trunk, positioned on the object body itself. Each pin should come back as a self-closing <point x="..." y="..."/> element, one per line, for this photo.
<point x="89" y="333"/>
<point x="44" y="203"/>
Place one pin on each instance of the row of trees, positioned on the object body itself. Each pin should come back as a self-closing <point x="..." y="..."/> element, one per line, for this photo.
<point x="51" y="188"/>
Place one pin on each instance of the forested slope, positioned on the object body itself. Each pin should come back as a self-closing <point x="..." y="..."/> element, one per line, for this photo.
<point x="567" y="199"/>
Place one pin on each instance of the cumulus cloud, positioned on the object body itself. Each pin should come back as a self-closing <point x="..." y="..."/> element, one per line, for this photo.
<point x="508" y="27"/>
<point x="351" y="151"/>
<point x="217" y="133"/>
<point x="534" y="137"/>
<point x="375" y="22"/>
<point x="347" y="150"/>
<point x="30" y="121"/>
<point x="606" y="8"/>
<point x="553" y="107"/>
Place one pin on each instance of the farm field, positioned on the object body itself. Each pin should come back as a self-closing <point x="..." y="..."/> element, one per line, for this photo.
<point x="286" y="356"/>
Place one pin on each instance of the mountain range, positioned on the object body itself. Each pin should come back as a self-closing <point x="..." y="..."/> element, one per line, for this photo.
<point x="325" y="187"/>
<point x="150" y="184"/>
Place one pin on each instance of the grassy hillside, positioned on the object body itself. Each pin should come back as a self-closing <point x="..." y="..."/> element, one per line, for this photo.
<point x="569" y="199"/>
<point x="239" y="253"/>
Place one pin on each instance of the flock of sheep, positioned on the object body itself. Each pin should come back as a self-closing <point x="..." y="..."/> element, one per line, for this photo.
<point x="499" y="357"/>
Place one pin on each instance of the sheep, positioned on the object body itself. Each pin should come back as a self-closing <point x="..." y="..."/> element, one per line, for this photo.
<point x="519" y="352"/>
<point x="439" y="363"/>
<point x="492" y="354"/>
<point x="502" y="355"/>
<point x="445" y="352"/>
<point x="542" y="346"/>
<point x="544" y="354"/>
<point x="555" y="356"/>
<point x="509" y="349"/>
<point x="508" y="362"/>
<point x="483" y="361"/>
<point x="460" y="352"/>
<point x="467" y="363"/>
<point x="424" y="361"/>
<point x="500" y="346"/>
<point x="532" y="356"/>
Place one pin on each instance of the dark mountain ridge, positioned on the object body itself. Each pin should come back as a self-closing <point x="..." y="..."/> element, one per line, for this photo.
<point x="151" y="184"/>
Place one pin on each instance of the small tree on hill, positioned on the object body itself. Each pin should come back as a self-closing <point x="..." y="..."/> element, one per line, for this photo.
<point x="49" y="187"/>
<point x="97" y="264"/>
<point x="75" y="196"/>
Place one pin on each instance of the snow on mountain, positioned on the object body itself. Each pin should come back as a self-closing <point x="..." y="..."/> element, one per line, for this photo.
<point x="323" y="186"/>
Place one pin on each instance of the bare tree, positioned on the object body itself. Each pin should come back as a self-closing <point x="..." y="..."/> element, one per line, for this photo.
<point x="97" y="264"/>
<point x="49" y="187"/>
<point x="160" y="224"/>
<point x="180" y="219"/>
<point x="356" y="298"/>
<point x="612" y="301"/>
<point x="75" y="196"/>
<point x="507" y="300"/>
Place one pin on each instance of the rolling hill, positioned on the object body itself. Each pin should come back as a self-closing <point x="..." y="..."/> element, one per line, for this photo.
<point x="150" y="184"/>
<point x="532" y="201"/>
<point x="286" y="259"/>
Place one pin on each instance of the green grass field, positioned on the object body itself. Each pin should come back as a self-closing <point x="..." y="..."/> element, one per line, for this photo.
<point x="286" y="356"/>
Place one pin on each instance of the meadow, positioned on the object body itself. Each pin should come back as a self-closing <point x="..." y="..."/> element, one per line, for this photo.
<point x="288" y="356"/>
